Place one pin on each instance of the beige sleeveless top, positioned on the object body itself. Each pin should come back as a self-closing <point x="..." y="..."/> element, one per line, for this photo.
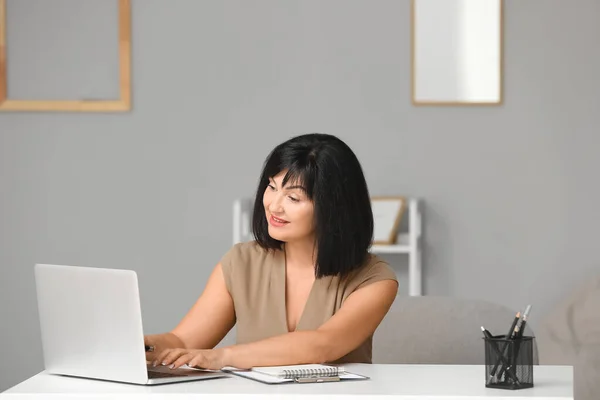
<point x="255" y="279"/>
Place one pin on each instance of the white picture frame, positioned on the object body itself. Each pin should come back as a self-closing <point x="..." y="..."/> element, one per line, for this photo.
<point x="387" y="214"/>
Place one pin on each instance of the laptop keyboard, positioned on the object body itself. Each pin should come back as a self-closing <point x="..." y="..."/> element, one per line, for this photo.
<point x="156" y="375"/>
<point x="165" y="372"/>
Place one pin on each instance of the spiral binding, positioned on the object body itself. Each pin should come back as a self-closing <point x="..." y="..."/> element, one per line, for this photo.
<point x="311" y="372"/>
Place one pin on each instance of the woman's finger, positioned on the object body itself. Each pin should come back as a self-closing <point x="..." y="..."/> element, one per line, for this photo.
<point x="173" y="355"/>
<point x="181" y="360"/>
<point x="158" y="359"/>
<point x="197" y="361"/>
<point x="167" y="356"/>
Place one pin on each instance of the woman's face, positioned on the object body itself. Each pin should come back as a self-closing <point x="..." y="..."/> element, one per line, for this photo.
<point x="288" y="210"/>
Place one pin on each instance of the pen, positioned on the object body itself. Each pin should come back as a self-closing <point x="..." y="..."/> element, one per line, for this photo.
<point x="508" y="336"/>
<point x="517" y="329"/>
<point x="486" y="333"/>
<point x="524" y="322"/>
<point x="149" y="348"/>
<point x="520" y="328"/>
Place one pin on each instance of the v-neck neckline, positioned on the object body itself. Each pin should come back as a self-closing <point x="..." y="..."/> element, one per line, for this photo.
<point x="283" y="279"/>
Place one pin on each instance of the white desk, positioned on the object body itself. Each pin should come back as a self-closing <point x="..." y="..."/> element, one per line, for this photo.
<point x="415" y="382"/>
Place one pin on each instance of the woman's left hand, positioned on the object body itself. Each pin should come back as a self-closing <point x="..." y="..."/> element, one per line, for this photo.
<point x="207" y="359"/>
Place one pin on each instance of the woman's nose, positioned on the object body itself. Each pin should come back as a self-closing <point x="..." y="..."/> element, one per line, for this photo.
<point x="275" y="205"/>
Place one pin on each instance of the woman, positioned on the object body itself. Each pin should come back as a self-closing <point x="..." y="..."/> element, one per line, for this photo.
<point x="306" y="290"/>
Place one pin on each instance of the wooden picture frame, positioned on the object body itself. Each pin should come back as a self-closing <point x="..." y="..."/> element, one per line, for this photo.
<point x="387" y="214"/>
<point x="413" y="66"/>
<point x="121" y="104"/>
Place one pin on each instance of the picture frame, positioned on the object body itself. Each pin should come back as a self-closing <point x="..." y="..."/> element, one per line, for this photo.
<point x="387" y="214"/>
<point x="477" y="78"/>
<point x="123" y="103"/>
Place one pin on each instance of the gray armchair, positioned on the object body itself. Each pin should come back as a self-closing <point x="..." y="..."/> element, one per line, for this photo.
<point x="439" y="330"/>
<point x="570" y="335"/>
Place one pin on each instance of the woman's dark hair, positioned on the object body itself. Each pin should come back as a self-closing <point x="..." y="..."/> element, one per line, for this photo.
<point x="333" y="178"/>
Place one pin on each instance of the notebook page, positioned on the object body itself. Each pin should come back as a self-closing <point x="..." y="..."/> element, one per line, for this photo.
<point x="258" y="376"/>
<point x="279" y="371"/>
<point x="264" y="378"/>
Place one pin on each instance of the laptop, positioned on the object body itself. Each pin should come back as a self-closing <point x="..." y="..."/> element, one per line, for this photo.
<point x="91" y="326"/>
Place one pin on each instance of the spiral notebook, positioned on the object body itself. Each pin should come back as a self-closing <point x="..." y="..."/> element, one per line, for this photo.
<point x="298" y="373"/>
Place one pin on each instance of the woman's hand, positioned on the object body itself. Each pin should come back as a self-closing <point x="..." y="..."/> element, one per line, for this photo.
<point x="207" y="359"/>
<point x="160" y="343"/>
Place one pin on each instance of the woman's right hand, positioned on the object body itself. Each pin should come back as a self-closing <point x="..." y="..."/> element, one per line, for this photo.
<point x="161" y="342"/>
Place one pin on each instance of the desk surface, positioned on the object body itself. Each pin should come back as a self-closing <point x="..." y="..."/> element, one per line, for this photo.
<point x="423" y="382"/>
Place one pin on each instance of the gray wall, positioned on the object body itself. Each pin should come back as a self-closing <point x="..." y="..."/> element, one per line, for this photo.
<point x="511" y="211"/>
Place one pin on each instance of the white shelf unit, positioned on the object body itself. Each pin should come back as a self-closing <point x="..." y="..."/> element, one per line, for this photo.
<point x="407" y="243"/>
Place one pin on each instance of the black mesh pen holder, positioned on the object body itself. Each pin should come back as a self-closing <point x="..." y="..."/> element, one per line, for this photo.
<point x="509" y="362"/>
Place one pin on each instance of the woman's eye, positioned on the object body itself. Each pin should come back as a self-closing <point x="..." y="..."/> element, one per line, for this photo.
<point x="271" y="187"/>
<point x="294" y="199"/>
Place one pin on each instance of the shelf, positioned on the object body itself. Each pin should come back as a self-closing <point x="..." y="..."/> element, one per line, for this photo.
<point x="402" y="246"/>
<point x="390" y="249"/>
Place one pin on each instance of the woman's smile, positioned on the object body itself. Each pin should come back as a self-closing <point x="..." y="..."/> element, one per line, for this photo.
<point x="277" y="222"/>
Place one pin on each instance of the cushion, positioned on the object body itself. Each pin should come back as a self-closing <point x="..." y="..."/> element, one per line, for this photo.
<point x="570" y="335"/>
